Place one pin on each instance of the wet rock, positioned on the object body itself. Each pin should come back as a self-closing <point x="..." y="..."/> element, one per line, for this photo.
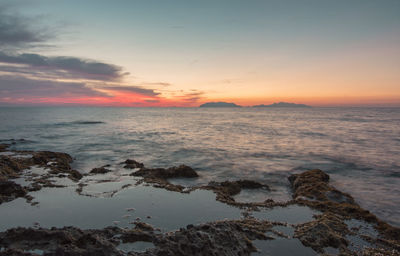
<point x="234" y="187"/>
<point x="328" y="230"/>
<point x="100" y="170"/>
<point x="182" y="171"/>
<point x="227" y="189"/>
<point x="75" y="175"/>
<point x="314" y="184"/>
<point x="65" y="241"/>
<point x="158" y="177"/>
<point x="132" y="164"/>
<point x="143" y="226"/>
<point x="380" y="252"/>
<point x="312" y="188"/>
<point x="3" y="147"/>
<point x="62" y="159"/>
<point x="10" y="167"/>
<point x="10" y="190"/>
<point x="217" y="238"/>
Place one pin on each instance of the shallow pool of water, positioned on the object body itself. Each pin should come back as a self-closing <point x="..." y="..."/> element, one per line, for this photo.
<point x="163" y="209"/>
<point x="282" y="246"/>
<point x="293" y="214"/>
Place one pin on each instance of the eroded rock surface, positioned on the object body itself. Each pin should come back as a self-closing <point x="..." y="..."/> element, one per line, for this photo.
<point x="132" y="164"/>
<point x="182" y="171"/>
<point x="100" y="170"/>
<point x="226" y="237"/>
<point x="217" y="238"/>
<point x="312" y="188"/>
<point x="14" y="164"/>
<point x="227" y="189"/>
<point x="10" y="190"/>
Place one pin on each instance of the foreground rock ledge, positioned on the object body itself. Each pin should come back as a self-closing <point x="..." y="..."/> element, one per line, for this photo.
<point x="57" y="164"/>
<point x="228" y="237"/>
<point x="312" y="188"/>
<point x="217" y="238"/>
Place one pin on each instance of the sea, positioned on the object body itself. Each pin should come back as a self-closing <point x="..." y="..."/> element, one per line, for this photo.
<point x="358" y="147"/>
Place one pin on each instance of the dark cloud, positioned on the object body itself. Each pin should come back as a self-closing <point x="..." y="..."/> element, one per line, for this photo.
<point x="152" y="101"/>
<point x="17" y="31"/>
<point x="70" y="66"/>
<point x="18" y="87"/>
<point x="35" y="76"/>
<point x="157" y="84"/>
<point x="193" y="96"/>
<point x="134" y="89"/>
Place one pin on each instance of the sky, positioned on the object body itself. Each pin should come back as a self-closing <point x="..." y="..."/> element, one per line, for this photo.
<point x="185" y="53"/>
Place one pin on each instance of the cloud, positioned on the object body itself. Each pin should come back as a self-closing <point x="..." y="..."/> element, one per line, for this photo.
<point x="152" y="101"/>
<point x="19" y="87"/>
<point x="193" y="96"/>
<point x="158" y="84"/>
<point x="134" y="89"/>
<point x="71" y="66"/>
<point x="17" y="31"/>
<point x="35" y="78"/>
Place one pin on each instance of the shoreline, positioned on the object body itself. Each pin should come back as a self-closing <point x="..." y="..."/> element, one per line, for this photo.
<point x="332" y="227"/>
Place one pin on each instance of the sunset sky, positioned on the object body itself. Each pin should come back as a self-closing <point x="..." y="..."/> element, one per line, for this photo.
<point x="185" y="53"/>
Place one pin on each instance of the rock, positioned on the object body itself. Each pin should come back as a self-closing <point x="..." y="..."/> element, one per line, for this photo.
<point x="55" y="241"/>
<point x="314" y="184"/>
<point x="182" y="171"/>
<point x="227" y="189"/>
<point x="43" y="157"/>
<point x="158" y="176"/>
<point x="328" y="230"/>
<point x="100" y="170"/>
<point x="75" y="175"/>
<point x="10" y="190"/>
<point x="219" y="238"/>
<point x="10" y="167"/>
<point x="132" y="164"/>
<point x="143" y="226"/>
<point x="312" y="188"/>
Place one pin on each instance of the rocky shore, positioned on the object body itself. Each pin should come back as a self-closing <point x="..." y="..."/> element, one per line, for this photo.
<point x="341" y="226"/>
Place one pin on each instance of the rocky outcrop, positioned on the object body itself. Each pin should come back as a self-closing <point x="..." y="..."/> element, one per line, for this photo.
<point x="10" y="190"/>
<point x="65" y="241"/>
<point x="14" y="164"/>
<point x="312" y="188"/>
<point x="158" y="177"/>
<point x="227" y="189"/>
<point x="132" y="164"/>
<point x="57" y="162"/>
<point x="328" y="230"/>
<point x="227" y="237"/>
<point x="10" y="167"/>
<point x="314" y="185"/>
<point x="216" y="238"/>
<point x="100" y="170"/>
<point x="182" y="171"/>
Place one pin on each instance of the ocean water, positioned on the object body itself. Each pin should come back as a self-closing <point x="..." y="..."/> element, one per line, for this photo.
<point x="358" y="147"/>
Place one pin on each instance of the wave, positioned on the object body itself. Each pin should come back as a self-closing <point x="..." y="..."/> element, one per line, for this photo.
<point x="88" y="122"/>
<point x="81" y="122"/>
<point x="312" y="134"/>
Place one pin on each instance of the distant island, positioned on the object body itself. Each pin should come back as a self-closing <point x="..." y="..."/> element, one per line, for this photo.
<point x="282" y="105"/>
<point x="219" y="105"/>
<point x="233" y="105"/>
